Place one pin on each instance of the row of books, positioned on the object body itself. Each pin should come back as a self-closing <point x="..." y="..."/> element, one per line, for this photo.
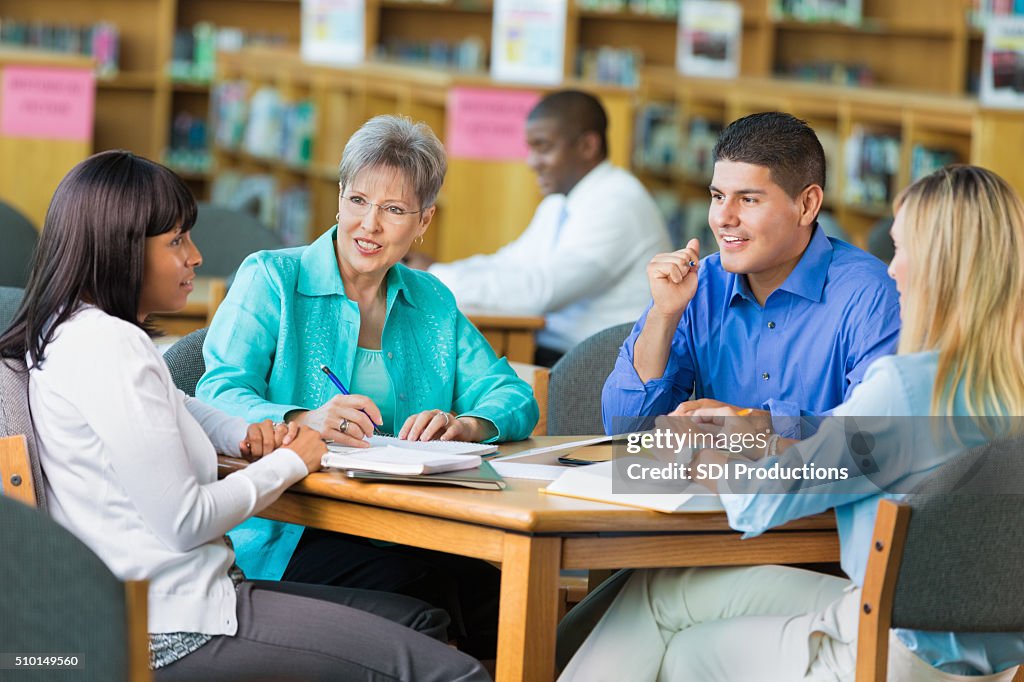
<point x="836" y="73"/>
<point x="101" y="40"/>
<point x="284" y="209"/>
<point x="660" y="144"/>
<point x="615" y="66"/>
<point x="188" y="149"/>
<point x="194" y="51"/>
<point x="263" y="124"/>
<point x="661" y="8"/>
<point x="468" y="55"/>
<point x="842" y="11"/>
<point x="980" y="12"/>
<point x="667" y="144"/>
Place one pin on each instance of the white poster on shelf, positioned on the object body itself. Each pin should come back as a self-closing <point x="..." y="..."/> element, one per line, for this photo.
<point x="528" y="41"/>
<point x="333" y="31"/>
<point x="709" y="38"/>
<point x="1002" y="64"/>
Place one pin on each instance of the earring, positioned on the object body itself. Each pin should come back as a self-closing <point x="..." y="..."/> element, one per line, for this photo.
<point x="337" y="217"/>
<point x="419" y="240"/>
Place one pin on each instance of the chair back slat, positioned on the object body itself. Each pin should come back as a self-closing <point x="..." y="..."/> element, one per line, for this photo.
<point x="16" y="420"/>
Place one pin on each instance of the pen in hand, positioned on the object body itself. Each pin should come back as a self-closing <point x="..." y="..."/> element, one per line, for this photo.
<point x="344" y="391"/>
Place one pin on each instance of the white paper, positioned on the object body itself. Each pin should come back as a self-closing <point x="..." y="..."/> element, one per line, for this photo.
<point x="534" y="472"/>
<point x="571" y="445"/>
<point x="333" y="31"/>
<point x="528" y="41"/>
<point x="709" y="38"/>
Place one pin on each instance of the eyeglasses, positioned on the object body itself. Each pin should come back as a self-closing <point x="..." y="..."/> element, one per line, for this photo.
<point x="389" y="213"/>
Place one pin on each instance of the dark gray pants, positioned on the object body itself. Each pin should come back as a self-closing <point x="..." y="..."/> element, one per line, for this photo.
<point x="307" y="633"/>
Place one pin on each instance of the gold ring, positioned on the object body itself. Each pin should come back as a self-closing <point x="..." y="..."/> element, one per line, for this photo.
<point x="344" y="425"/>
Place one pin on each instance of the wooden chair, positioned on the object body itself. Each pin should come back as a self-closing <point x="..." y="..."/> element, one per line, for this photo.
<point x="58" y="597"/>
<point x="948" y="557"/>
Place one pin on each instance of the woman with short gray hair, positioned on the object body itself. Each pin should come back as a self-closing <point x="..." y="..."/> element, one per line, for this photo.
<point x="412" y="363"/>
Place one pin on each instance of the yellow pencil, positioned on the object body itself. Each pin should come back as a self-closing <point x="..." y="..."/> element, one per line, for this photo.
<point x="745" y="411"/>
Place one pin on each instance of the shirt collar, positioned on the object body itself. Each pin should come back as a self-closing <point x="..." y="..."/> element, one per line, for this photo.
<point x="808" y="277"/>
<point x="319" y="274"/>
<point x="578" y="194"/>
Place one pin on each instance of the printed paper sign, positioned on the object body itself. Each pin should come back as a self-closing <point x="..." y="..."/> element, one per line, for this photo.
<point x="528" y="41"/>
<point x="709" y="39"/>
<point x="332" y="31"/>
<point x="47" y="103"/>
<point x="488" y="124"/>
<point x="1002" y="69"/>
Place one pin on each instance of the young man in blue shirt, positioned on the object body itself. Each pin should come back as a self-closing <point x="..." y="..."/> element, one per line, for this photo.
<point x="783" y="319"/>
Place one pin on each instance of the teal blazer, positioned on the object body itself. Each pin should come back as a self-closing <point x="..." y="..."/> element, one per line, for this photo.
<point x="286" y="314"/>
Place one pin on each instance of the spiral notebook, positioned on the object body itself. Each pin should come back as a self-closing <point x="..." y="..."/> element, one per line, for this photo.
<point x="390" y="455"/>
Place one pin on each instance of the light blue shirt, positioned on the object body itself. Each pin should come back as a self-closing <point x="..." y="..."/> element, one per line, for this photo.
<point x="370" y="378"/>
<point x="802" y="352"/>
<point x="287" y="314"/>
<point x="906" y="450"/>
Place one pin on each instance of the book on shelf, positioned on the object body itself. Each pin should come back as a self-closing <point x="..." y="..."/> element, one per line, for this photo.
<point x="391" y="455"/>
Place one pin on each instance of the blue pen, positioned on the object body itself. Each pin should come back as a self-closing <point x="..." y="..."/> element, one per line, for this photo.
<point x="344" y="391"/>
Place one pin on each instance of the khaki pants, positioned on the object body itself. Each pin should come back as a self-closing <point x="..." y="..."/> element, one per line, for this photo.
<point x="765" y="623"/>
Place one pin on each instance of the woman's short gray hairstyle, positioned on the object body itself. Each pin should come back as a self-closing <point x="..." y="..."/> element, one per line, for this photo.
<point x="396" y="142"/>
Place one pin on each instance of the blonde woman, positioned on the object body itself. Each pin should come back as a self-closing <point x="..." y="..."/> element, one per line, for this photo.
<point x="959" y="266"/>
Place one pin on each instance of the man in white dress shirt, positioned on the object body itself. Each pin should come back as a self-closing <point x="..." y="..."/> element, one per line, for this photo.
<point x="581" y="261"/>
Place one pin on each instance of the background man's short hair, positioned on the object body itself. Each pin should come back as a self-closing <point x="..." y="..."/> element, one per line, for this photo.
<point x="576" y="112"/>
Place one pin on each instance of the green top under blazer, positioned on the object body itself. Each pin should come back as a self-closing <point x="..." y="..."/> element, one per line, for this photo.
<point x="287" y="314"/>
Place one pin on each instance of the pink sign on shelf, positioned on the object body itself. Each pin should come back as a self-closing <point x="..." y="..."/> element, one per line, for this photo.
<point x="488" y="124"/>
<point x="47" y="103"/>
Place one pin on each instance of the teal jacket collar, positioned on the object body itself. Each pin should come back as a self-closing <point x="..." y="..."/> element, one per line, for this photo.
<point x="319" y="274"/>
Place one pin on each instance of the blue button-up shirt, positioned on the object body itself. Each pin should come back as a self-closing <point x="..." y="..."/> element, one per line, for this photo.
<point x="802" y="352"/>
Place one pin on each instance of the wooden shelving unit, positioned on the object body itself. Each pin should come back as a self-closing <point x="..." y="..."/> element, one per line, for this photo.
<point x="911" y="46"/>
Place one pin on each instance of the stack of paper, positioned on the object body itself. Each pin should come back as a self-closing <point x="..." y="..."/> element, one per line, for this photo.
<point x="395" y="456"/>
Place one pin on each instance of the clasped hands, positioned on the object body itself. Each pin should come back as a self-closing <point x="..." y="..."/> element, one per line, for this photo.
<point x="745" y="429"/>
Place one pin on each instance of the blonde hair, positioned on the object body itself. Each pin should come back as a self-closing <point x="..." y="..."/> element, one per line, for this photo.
<point x="964" y="227"/>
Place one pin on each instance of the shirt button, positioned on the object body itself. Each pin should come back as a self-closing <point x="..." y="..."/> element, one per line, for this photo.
<point x="771" y="325"/>
<point x="766" y="376"/>
<point x="401" y="396"/>
<point x="391" y="356"/>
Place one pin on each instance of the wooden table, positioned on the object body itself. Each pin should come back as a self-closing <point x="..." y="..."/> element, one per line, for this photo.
<point x="509" y="334"/>
<point x="533" y="536"/>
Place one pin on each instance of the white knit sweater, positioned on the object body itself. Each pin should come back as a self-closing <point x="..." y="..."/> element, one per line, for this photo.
<point x="131" y="470"/>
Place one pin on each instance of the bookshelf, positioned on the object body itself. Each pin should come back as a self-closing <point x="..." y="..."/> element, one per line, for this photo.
<point x="903" y="132"/>
<point x="930" y="46"/>
<point x="495" y="199"/>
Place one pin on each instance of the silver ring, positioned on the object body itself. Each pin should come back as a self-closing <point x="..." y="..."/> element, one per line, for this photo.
<point x="343" y="426"/>
<point x="447" y="419"/>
